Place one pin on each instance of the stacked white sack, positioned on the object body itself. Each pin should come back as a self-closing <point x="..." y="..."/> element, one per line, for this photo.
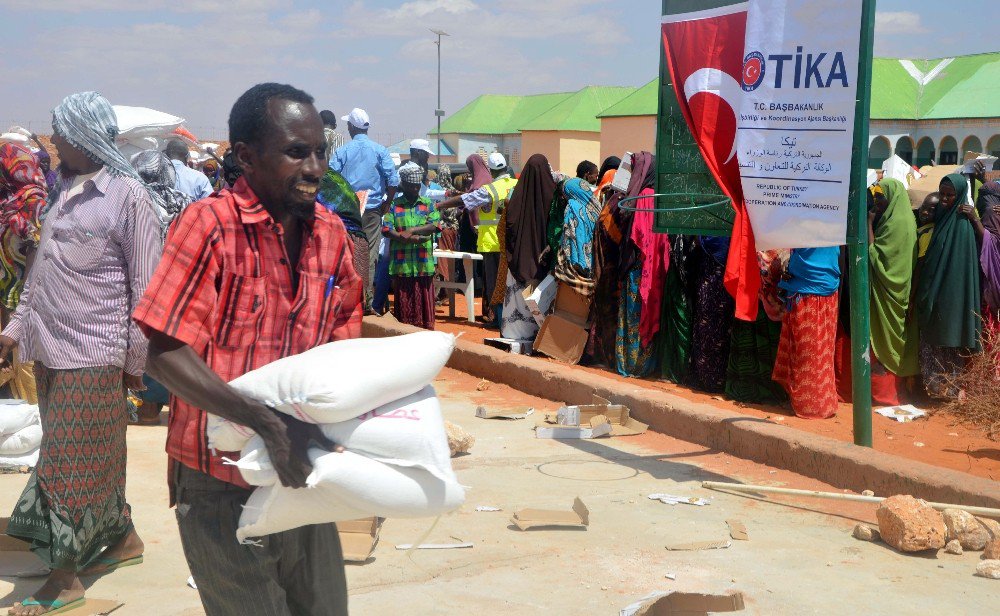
<point x="338" y="381"/>
<point x="20" y="433"/>
<point x="407" y="433"/>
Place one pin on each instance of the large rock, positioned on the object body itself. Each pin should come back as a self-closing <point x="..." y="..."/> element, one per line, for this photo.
<point x="989" y="569"/>
<point x="910" y="525"/>
<point x="964" y="527"/>
<point x="992" y="550"/>
<point x="992" y="526"/>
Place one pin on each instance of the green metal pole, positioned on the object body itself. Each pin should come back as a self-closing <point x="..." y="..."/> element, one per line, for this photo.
<point x="857" y="239"/>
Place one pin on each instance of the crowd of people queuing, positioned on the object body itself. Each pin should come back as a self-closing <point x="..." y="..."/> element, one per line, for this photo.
<point x="148" y="275"/>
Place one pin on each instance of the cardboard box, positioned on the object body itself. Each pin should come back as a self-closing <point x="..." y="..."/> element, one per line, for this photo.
<point x="564" y="333"/>
<point x="617" y="415"/>
<point x="578" y="517"/>
<point x="539" y="297"/>
<point x="562" y="338"/>
<point x="921" y="187"/>
<point x="511" y="345"/>
<point x="684" y="603"/>
<point x="358" y="538"/>
<point x="10" y="544"/>
<point x="596" y="428"/>
<point x="569" y="303"/>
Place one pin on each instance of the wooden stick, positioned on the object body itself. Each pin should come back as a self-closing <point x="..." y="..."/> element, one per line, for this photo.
<point x="745" y="487"/>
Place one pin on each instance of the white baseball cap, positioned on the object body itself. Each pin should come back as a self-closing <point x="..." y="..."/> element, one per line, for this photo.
<point x="421" y="144"/>
<point x="497" y="161"/>
<point x="358" y="118"/>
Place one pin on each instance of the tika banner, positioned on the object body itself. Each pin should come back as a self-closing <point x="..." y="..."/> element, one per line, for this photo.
<point x="796" y="121"/>
<point x="704" y="51"/>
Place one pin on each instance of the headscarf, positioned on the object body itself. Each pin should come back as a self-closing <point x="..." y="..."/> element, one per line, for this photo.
<point x="337" y="195"/>
<point x="611" y="163"/>
<point x="156" y="170"/>
<point x="643" y="177"/>
<point x="948" y="293"/>
<point x="444" y="177"/>
<point x="88" y="122"/>
<point x="213" y="172"/>
<point x="989" y="256"/>
<point x="411" y="173"/>
<point x="606" y="178"/>
<point x="50" y="175"/>
<point x="892" y="257"/>
<point x="481" y="175"/>
<point x="527" y="217"/>
<point x="22" y="197"/>
<point x="22" y="191"/>
<point x="575" y="259"/>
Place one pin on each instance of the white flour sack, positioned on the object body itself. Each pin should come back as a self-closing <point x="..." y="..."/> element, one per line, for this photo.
<point x="26" y="459"/>
<point x="16" y="415"/>
<point x="340" y="380"/>
<point x="408" y="432"/>
<point x="346" y="486"/>
<point x="23" y="441"/>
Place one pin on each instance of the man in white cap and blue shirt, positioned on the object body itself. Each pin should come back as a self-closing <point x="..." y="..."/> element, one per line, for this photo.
<point x="367" y="166"/>
<point x="490" y="200"/>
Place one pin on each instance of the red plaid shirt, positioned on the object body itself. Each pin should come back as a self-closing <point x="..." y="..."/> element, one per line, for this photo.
<point x="224" y="287"/>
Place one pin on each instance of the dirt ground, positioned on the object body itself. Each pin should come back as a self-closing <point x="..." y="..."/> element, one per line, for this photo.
<point x="800" y="558"/>
<point x="938" y="439"/>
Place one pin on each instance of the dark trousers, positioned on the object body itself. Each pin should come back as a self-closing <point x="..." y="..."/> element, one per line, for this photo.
<point x="298" y="572"/>
<point x="371" y="224"/>
<point x="491" y="265"/>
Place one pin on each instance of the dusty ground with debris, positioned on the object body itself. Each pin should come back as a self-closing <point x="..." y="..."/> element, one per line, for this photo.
<point x="800" y="557"/>
<point x="937" y="439"/>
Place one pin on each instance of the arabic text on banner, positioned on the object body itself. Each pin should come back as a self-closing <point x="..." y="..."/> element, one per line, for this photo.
<point x="795" y="125"/>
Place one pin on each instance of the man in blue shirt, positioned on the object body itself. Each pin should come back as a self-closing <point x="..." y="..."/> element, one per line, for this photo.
<point x="190" y="182"/>
<point x="367" y="166"/>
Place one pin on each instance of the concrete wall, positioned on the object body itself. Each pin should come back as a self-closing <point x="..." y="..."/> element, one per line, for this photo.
<point x="947" y="137"/>
<point x="576" y="146"/>
<point x="627" y="134"/>
<point x="564" y="149"/>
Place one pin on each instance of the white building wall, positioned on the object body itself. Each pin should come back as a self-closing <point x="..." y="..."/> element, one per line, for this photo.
<point x="987" y="130"/>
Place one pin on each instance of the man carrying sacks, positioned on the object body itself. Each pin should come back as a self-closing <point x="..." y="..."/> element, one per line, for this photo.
<point x="249" y="276"/>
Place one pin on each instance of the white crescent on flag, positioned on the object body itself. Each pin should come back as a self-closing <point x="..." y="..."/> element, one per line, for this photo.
<point x="714" y="81"/>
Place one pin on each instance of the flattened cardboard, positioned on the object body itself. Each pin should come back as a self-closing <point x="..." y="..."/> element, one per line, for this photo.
<point x="92" y="607"/>
<point x="484" y="413"/>
<point x="562" y="337"/>
<point x="738" y="530"/>
<point x="599" y="428"/>
<point x="10" y="544"/>
<point x="700" y="545"/>
<point x="358" y="538"/>
<point x="579" y="517"/>
<point x="686" y="604"/>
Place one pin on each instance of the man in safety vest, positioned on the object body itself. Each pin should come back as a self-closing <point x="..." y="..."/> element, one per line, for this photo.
<point x="490" y="200"/>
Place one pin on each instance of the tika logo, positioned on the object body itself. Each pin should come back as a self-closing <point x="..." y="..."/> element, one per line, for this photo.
<point x="810" y="69"/>
<point x="753" y="71"/>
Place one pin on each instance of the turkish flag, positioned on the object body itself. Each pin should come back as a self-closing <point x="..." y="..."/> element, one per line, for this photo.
<point x="704" y="51"/>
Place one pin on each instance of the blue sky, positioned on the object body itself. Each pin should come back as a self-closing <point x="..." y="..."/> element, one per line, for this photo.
<point x="194" y="57"/>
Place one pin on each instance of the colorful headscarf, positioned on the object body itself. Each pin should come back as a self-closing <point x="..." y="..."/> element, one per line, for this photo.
<point x="213" y="172"/>
<point x="444" y="177"/>
<point x="88" y="122"/>
<point x="948" y="292"/>
<point x="575" y="259"/>
<point x="336" y="195"/>
<point x="22" y="197"/>
<point x="892" y="257"/>
<point x="156" y="170"/>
